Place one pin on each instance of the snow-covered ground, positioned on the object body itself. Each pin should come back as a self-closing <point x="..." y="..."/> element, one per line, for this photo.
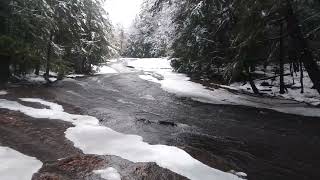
<point x="37" y="79"/>
<point x="310" y="95"/>
<point x="92" y="138"/>
<point x="159" y="71"/>
<point x="17" y="166"/>
<point x="109" y="173"/>
<point x="104" y="70"/>
<point x="75" y="75"/>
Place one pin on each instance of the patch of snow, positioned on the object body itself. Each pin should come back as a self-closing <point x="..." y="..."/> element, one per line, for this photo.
<point x="17" y="166"/>
<point x="2" y="92"/>
<point x="35" y="79"/>
<point x="105" y="70"/>
<point x="52" y="106"/>
<point x="240" y="174"/>
<point x="92" y="138"/>
<point x="38" y="79"/>
<point x="113" y="60"/>
<point x="149" y="78"/>
<point x="108" y="174"/>
<point x="310" y="95"/>
<point x="75" y="75"/>
<point x="181" y="85"/>
<point x="50" y="73"/>
<point x="53" y="79"/>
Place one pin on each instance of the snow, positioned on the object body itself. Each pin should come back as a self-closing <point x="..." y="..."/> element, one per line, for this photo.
<point x="181" y="85"/>
<point x="105" y="70"/>
<point x="310" y="95"/>
<point x="2" y="92"/>
<point x="17" y="166"/>
<point x="35" y="79"/>
<point x="108" y="174"/>
<point x="75" y="75"/>
<point x="92" y="138"/>
<point x="53" y="106"/>
<point x="240" y="174"/>
<point x="32" y="78"/>
<point x="149" y="78"/>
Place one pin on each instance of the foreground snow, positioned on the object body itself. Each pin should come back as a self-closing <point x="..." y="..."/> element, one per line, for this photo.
<point x="160" y="71"/>
<point x="17" y="166"/>
<point x="92" y="138"/>
<point x="108" y="174"/>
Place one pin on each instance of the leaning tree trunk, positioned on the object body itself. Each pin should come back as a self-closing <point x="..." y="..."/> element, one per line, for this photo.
<point x="307" y="58"/>
<point x="4" y="68"/>
<point x="252" y="84"/>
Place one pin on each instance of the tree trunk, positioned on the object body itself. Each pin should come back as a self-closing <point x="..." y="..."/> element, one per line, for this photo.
<point x="252" y="84"/>
<point x="282" y="85"/>
<point x="307" y="58"/>
<point x="37" y="69"/>
<point x="301" y="77"/>
<point x="4" y="69"/>
<point x="49" y="49"/>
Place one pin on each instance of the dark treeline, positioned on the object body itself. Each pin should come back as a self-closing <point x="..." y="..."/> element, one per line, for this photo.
<point x="228" y="39"/>
<point x="49" y="35"/>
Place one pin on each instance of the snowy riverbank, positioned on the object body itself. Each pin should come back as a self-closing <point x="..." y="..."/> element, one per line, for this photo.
<point x="159" y="71"/>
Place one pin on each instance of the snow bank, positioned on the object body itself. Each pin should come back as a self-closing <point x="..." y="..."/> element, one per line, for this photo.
<point x="2" y="92"/>
<point x="17" y="166"/>
<point x="104" y="70"/>
<point x="310" y="95"/>
<point x="108" y="174"/>
<point x="181" y="85"/>
<point x="37" y="79"/>
<point x="75" y="75"/>
<point x="92" y="138"/>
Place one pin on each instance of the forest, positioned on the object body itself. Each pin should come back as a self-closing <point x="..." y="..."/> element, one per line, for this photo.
<point x="50" y="35"/>
<point x="159" y="89"/>
<point x="223" y="41"/>
<point x="228" y="40"/>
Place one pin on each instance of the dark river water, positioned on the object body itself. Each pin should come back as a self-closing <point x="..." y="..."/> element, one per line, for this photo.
<point x="265" y="144"/>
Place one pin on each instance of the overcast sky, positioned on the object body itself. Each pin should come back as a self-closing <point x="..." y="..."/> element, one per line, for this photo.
<point x="122" y="11"/>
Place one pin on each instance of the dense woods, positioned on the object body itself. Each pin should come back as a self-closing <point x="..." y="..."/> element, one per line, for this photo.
<point x="221" y="40"/>
<point x="228" y="40"/>
<point x="47" y="35"/>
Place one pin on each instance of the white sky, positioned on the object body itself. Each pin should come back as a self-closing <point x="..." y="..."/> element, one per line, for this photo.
<point x="123" y="11"/>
